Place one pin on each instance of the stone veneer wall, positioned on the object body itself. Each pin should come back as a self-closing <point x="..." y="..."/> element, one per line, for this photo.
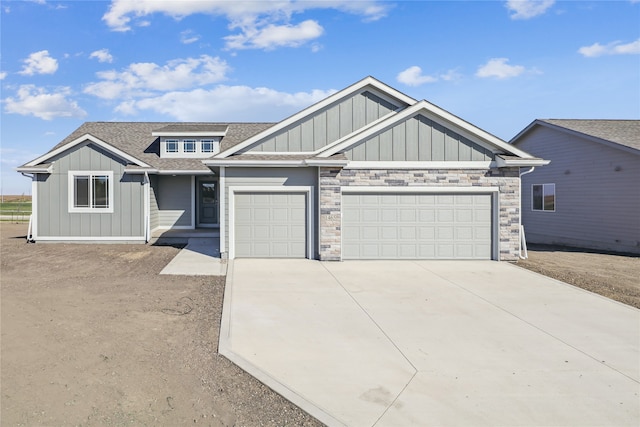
<point x="332" y="179"/>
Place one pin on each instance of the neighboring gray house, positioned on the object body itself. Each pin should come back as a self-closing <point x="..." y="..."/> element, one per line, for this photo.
<point x="589" y="195"/>
<point x="367" y="173"/>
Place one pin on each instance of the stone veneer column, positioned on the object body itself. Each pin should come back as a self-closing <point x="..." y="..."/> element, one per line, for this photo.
<point x="330" y="215"/>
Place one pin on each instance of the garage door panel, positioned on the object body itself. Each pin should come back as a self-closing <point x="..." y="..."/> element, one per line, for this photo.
<point x="270" y="225"/>
<point x="417" y="226"/>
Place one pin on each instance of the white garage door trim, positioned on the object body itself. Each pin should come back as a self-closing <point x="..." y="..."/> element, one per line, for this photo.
<point x="495" y="203"/>
<point x="271" y="189"/>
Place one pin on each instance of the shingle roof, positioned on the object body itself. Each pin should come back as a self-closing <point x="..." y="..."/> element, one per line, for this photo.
<point x="623" y="132"/>
<point x="194" y="127"/>
<point x="135" y="139"/>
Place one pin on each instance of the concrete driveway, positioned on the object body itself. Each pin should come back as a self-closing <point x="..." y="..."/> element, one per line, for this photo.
<point x="446" y="343"/>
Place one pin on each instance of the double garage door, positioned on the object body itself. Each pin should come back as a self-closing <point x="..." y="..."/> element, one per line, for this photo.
<point x="416" y="226"/>
<point x="374" y="225"/>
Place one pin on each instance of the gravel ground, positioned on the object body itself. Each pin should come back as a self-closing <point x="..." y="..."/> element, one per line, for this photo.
<point x="91" y="335"/>
<point x="614" y="276"/>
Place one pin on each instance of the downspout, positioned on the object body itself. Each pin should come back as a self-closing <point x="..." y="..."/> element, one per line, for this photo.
<point x="147" y="208"/>
<point x="523" y="242"/>
<point x="34" y="209"/>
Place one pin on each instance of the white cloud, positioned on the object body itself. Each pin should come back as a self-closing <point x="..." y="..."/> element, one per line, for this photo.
<point x="147" y="78"/>
<point x="498" y="68"/>
<point x="273" y="36"/>
<point x="226" y="103"/>
<point x="526" y="9"/>
<point x="3" y="75"/>
<point x="102" y="55"/>
<point x="614" y="48"/>
<point x="36" y="101"/>
<point x="188" y="37"/>
<point x="39" y="63"/>
<point x="413" y="76"/>
<point x="262" y="24"/>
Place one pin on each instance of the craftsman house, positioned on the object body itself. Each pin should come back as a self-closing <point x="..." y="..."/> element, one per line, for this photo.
<point x="367" y="173"/>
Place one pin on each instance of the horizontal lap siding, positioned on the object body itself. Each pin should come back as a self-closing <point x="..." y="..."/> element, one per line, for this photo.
<point x="597" y="193"/>
<point x="328" y="125"/>
<point x="54" y="218"/>
<point x="175" y="202"/>
<point x="418" y="139"/>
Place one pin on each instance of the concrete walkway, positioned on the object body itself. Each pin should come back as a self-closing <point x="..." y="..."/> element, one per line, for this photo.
<point x="447" y="343"/>
<point x="201" y="257"/>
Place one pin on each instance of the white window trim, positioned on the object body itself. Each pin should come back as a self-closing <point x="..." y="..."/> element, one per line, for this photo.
<point x="555" y="201"/>
<point x="272" y="189"/>
<point x="71" y="201"/>
<point x="181" y="153"/>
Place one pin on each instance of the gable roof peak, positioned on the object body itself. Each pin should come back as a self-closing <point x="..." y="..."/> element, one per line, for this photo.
<point x="359" y="86"/>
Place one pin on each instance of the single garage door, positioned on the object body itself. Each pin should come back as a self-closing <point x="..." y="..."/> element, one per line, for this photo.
<point x="270" y="225"/>
<point x="416" y="226"/>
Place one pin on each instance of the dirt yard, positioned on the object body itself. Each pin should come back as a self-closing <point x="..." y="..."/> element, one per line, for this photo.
<point x="611" y="275"/>
<point x="91" y="335"/>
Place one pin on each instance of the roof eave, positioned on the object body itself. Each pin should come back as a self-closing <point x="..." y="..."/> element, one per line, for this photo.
<point x="34" y="169"/>
<point x="508" y="163"/>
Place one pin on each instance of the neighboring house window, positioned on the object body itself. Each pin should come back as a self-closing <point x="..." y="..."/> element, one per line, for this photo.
<point x="189" y="145"/>
<point x="543" y="197"/>
<point x="90" y="191"/>
<point x="172" y="145"/>
<point x="207" y="146"/>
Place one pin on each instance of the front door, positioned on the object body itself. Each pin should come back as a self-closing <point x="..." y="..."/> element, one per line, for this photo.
<point x="207" y="203"/>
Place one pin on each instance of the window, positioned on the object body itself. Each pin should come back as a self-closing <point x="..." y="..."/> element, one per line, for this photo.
<point x="543" y="197"/>
<point x="207" y="146"/>
<point x="172" y="145"/>
<point x="90" y="191"/>
<point x="189" y="145"/>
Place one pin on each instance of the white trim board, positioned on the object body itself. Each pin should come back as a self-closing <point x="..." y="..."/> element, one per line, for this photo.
<point x="272" y="189"/>
<point x="420" y="165"/>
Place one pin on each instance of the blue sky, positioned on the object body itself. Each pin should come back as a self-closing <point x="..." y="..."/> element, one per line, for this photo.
<point x="496" y="64"/>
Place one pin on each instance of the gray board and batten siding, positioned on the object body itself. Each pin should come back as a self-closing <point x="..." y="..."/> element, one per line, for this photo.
<point x="418" y="139"/>
<point x="597" y="192"/>
<point x="329" y="124"/>
<point x="279" y="178"/>
<point x="54" y="218"/>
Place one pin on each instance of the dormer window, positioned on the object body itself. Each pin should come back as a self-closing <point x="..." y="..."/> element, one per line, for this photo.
<point x="189" y="145"/>
<point x="190" y="140"/>
<point x="208" y="146"/>
<point x="171" y="145"/>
